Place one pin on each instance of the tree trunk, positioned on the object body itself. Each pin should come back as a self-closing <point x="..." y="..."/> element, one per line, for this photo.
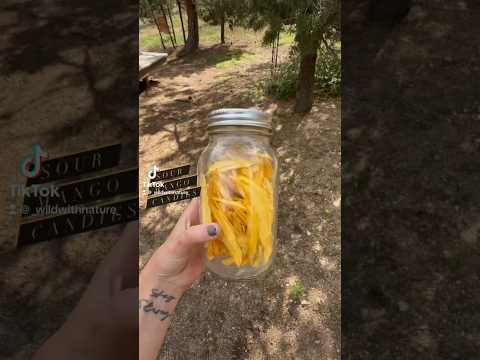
<point x="193" y="38"/>
<point x="306" y="78"/>
<point x="276" y="51"/>
<point x="222" y="29"/>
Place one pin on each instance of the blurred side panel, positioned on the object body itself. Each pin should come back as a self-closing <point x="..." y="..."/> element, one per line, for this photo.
<point x="68" y="84"/>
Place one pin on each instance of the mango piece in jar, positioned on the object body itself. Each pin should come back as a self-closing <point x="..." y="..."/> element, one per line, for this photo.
<point x="238" y="195"/>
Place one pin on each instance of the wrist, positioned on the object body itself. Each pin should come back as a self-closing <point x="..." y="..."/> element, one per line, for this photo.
<point x="152" y="280"/>
<point x="157" y="302"/>
<point x="160" y="293"/>
<point x="156" y="275"/>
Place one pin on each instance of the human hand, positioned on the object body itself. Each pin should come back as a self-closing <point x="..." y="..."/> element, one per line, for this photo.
<point x="104" y="324"/>
<point x="171" y="270"/>
<point x="181" y="259"/>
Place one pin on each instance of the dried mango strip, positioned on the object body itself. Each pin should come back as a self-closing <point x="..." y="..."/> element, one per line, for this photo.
<point x="252" y="230"/>
<point x="228" y="261"/>
<point x="239" y="197"/>
<point x="260" y="199"/>
<point x="228" y="237"/>
<point x="229" y="165"/>
<point x="205" y="209"/>
<point x="210" y="254"/>
<point x="234" y="204"/>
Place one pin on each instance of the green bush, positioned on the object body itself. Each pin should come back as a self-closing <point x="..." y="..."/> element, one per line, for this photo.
<point x="282" y="84"/>
<point x="328" y="72"/>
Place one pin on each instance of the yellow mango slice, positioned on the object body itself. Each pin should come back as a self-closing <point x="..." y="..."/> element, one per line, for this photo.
<point x="228" y="261"/>
<point x="237" y="193"/>
<point x="205" y="209"/>
<point x="228" y="237"/>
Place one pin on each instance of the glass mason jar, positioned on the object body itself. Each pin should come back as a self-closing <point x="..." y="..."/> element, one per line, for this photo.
<point x="238" y="176"/>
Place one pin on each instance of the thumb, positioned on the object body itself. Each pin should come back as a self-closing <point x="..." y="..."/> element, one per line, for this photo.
<point x="193" y="236"/>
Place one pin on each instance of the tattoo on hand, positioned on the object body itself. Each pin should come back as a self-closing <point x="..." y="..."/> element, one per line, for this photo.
<point x="147" y="306"/>
<point x="162" y="294"/>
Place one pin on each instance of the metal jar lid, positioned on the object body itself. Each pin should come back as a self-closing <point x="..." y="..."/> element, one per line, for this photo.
<point x="239" y="117"/>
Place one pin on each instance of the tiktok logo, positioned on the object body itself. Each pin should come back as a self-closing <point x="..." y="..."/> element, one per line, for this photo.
<point x="31" y="164"/>
<point x="152" y="174"/>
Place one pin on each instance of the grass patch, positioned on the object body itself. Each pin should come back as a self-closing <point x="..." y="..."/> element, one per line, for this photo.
<point x="234" y="61"/>
<point x="209" y="35"/>
<point x="297" y="290"/>
<point x="286" y="38"/>
<point x="224" y="78"/>
<point x="150" y="40"/>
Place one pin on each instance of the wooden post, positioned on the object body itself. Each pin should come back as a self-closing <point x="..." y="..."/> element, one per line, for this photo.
<point x="171" y="22"/>
<point x="156" y="23"/>
<point x="181" y="21"/>
<point x="166" y="22"/>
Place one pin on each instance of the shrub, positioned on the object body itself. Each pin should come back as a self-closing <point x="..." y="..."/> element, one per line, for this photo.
<point x="328" y="72"/>
<point x="282" y="84"/>
<point x="297" y="290"/>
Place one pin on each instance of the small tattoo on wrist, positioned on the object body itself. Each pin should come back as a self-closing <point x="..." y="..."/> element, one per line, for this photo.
<point x="147" y="306"/>
<point x="162" y="294"/>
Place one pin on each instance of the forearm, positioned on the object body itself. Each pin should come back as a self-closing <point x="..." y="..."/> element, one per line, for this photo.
<point x="158" y="299"/>
<point x="72" y="341"/>
<point x="57" y="347"/>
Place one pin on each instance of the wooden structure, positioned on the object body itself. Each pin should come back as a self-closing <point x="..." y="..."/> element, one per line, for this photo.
<point x="149" y="61"/>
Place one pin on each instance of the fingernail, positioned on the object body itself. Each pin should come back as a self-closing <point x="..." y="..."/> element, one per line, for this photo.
<point x="212" y="230"/>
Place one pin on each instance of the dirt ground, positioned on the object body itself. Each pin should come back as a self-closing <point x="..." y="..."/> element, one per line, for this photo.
<point x="260" y="319"/>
